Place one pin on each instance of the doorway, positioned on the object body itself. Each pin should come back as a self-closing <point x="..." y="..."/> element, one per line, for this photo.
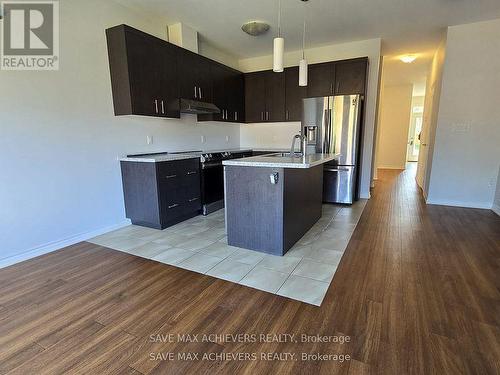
<point x="416" y="121"/>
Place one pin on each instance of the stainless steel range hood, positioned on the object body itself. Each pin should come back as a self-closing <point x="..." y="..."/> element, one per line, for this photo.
<point x="198" y="108"/>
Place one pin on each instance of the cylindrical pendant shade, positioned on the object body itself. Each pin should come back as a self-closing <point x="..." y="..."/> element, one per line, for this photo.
<point x="278" y="54"/>
<point x="303" y="72"/>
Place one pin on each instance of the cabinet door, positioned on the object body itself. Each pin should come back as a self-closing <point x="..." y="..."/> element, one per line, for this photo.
<point x="169" y="81"/>
<point x="275" y="96"/>
<point x="142" y="57"/>
<point x="350" y="77"/>
<point x="236" y="97"/>
<point x="293" y="95"/>
<point x="320" y="79"/>
<point x="255" y="96"/>
<point x="219" y="90"/>
<point x="194" y="76"/>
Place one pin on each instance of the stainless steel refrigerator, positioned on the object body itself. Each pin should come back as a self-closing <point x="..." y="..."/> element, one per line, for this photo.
<point x="331" y="124"/>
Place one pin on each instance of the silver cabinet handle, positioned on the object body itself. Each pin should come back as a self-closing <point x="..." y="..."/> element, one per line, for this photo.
<point x="262" y="116"/>
<point x="173" y="205"/>
<point x="236" y="116"/>
<point x="267" y="115"/>
<point x="171" y="176"/>
<point x="338" y="87"/>
<point x="191" y="172"/>
<point x="199" y="91"/>
<point x="287" y="114"/>
<point x="156" y="105"/>
<point x="162" y="108"/>
<point x="223" y="114"/>
<point x="195" y="93"/>
<point x="193" y="199"/>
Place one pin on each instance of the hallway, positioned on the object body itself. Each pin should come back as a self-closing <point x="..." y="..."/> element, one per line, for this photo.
<point x="417" y="292"/>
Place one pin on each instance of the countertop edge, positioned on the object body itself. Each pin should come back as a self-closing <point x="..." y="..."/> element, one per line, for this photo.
<point x="269" y="164"/>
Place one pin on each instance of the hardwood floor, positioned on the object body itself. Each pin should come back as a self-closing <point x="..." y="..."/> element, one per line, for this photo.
<point x="417" y="291"/>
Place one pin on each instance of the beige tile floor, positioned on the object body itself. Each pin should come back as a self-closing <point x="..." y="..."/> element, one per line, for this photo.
<point x="200" y="245"/>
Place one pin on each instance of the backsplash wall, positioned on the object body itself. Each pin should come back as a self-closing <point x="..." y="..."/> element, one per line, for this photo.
<point x="272" y="135"/>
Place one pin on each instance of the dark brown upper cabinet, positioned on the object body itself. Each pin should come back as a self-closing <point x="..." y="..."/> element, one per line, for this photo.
<point x="195" y="76"/>
<point x="350" y="76"/>
<point x="144" y="75"/>
<point x="227" y="94"/>
<point x="293" y="95"/>
<point x="321" y="78"/>
<point x="265" y="96"/>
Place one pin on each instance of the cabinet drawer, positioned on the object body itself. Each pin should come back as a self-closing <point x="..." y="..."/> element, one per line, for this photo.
<point x="176" y="170"/>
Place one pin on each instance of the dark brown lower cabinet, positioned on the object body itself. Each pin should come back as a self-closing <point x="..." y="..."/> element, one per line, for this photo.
<point x="158" y="195"/>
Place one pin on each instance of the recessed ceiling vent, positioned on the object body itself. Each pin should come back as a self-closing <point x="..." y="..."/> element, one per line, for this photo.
<point x="255" y="28"/>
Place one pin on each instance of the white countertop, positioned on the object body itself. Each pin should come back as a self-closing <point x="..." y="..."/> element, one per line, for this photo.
<point x="308" y="161"/>
<point x="157" y="158"/>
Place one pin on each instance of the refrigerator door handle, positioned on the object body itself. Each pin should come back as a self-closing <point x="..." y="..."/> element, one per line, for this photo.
<point x="336" y="169"/>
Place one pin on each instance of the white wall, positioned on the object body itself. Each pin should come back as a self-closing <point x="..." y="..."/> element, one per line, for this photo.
<point x="395" y="113"/>
<point x="466" y="152"/>
<point x="60" y="141"/>
<point x="271" y="135"/>
<point x="370" y="48"/>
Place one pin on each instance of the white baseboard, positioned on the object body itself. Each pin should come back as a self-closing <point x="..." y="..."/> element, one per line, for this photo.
<point x="496" y="209"/>
<point x="391" y="167"/>
<point x="56" y="245"/>
<point x="480" y="205"/>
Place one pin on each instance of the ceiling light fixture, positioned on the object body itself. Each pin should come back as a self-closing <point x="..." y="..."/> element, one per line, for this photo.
<point x="303" y="61"/>
<point x="408" y="59"/>
<point x="255" y="28"/>
<point x="278" y="46"/>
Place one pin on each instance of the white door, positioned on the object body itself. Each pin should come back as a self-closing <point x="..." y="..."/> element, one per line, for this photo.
<point x="414" y="134"/>
<point x="424" y="139"/>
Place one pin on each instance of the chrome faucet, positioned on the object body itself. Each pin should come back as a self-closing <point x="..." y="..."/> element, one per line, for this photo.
<point x="292" y="148"/>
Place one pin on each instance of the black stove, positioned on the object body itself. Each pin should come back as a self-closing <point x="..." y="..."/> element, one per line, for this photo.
<point x="212" y="178"/>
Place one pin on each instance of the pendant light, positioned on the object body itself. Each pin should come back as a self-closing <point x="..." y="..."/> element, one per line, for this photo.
<point x="303" y="61"/>
<point x="278" y="46"/>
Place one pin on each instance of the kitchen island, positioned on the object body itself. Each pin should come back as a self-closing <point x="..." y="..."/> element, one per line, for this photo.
<point x="272" y="201"/>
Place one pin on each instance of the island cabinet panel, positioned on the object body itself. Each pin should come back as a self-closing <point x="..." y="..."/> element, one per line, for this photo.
<point x="254" y="209"/>
<point x="269" y="217"/>
<point x="159" y="195"/>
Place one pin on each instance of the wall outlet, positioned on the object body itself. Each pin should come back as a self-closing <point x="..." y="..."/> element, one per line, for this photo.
<point x="461" y="127"/>
<point x="203" y="139"/>
<point x="149" y="139"/>
<point x="227" y="138"/>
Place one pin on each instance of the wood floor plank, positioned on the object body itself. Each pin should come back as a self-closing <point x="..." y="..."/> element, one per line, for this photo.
<point x="417" y="292"/>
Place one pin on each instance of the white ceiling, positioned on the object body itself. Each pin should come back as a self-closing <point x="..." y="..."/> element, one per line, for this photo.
<point x="405" y="25"/>
<point x="396" y="72"/>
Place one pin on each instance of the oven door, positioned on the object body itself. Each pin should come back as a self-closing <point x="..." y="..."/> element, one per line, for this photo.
<point x="212" y="182"/>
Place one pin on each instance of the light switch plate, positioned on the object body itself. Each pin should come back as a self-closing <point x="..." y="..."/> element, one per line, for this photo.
<point x="203" y="139"/>
<point x="149" y="139"/>
<point x="227" y="138"/>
